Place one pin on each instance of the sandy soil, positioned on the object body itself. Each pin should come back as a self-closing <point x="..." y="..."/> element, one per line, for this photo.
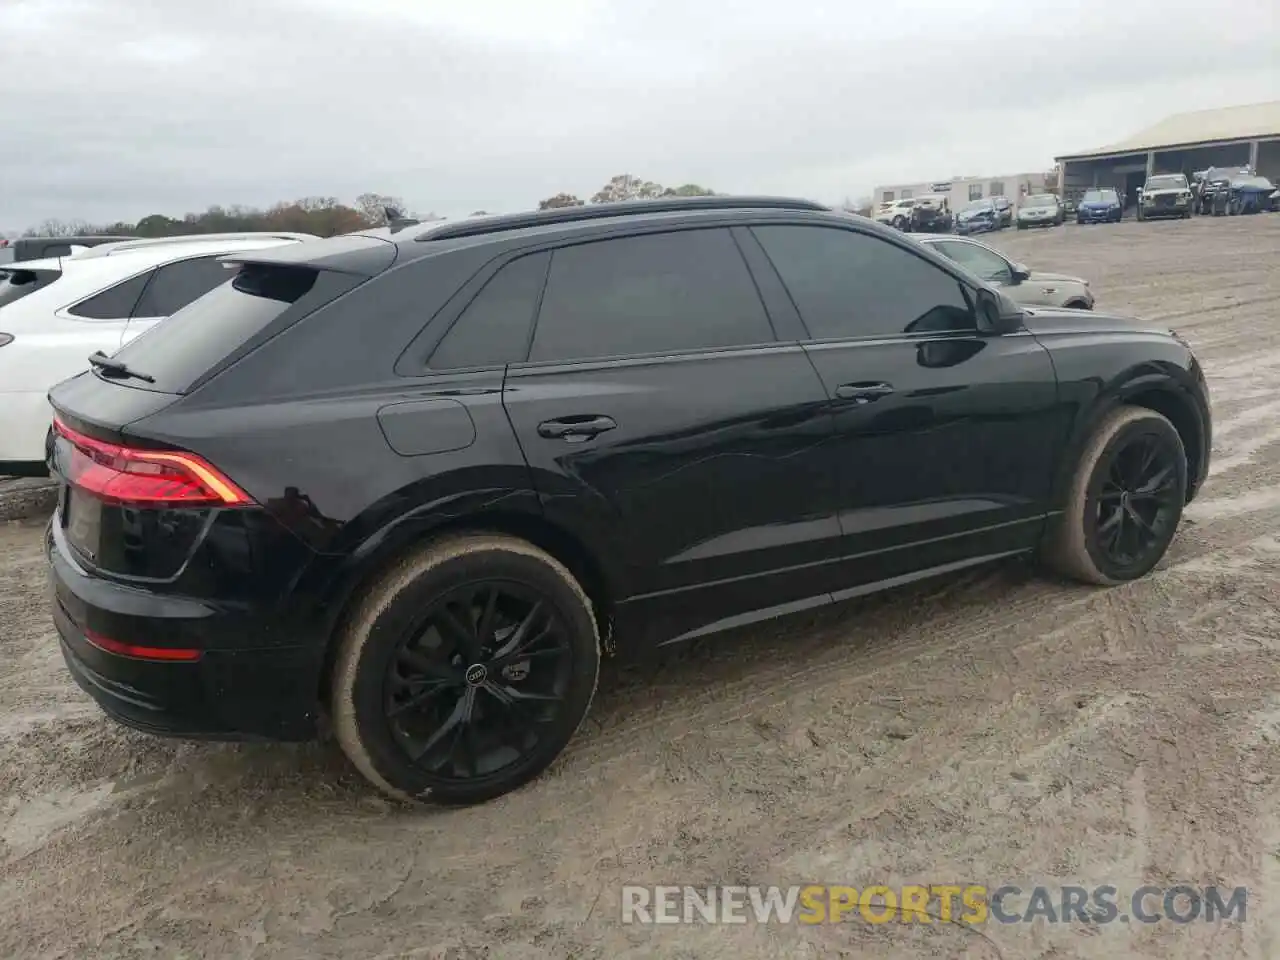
<point x="995" y="727"/>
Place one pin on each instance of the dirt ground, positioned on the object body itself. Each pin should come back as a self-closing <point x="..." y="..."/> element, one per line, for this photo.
<point x="994" y="727"/>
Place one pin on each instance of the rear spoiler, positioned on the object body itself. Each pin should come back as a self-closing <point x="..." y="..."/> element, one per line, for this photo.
<point x="360" y="255"/>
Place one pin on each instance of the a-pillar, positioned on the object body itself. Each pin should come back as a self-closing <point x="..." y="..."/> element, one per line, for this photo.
<point x="1253" y="155"/>
<point x="1151" y="162"/>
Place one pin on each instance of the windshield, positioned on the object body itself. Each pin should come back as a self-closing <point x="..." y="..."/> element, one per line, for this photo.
<point x="1041" y="200"/>
<point x="1100" y="196"/>
<point x="977" y="205"/>
<point x="1166" y="183"/>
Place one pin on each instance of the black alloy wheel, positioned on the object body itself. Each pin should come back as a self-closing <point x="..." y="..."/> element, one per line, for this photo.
<point x="1124" y="502"/>
<point x="464" y="670"/>
<point x="1136" y="501"/>
<point x="473" y="685"/>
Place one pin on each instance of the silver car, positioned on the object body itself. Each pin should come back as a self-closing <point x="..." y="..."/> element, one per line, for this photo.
<point x="1017" y="280"/>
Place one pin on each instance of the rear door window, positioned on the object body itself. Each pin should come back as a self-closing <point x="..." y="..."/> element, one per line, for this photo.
<point x="177" y="284"/>
<point x="114" y="303"/>
<point x="651" y="294"/>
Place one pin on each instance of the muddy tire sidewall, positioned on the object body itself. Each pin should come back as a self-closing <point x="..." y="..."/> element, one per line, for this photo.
<point x="1072" y="549"/>
<point x="377" y="625"/>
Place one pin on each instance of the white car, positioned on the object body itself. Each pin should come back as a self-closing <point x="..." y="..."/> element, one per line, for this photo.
<point x="55" y="312"/>
<point x="896" y="214"/>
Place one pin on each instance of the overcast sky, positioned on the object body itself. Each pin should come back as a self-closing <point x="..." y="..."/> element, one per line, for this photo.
<point x="114" y="109"/>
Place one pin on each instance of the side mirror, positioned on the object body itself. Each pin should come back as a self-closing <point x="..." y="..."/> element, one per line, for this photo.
<point x="996" y="312"/>
<point x="1021" y="272"/>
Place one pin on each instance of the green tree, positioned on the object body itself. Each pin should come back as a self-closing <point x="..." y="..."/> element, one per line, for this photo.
<point x="558" y="201"/>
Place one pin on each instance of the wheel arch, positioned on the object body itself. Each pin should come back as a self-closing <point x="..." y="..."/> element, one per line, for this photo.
<point x="598" y="581"/>
<point x="1164" y="396"/>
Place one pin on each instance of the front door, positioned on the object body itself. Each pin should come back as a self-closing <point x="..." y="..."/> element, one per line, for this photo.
<point x="665" y="425"/>
<point x="945" y="436"/>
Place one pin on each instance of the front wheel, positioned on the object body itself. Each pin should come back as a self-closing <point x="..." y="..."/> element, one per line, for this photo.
<point x="1125" y="500"/>
<point x="465" y="670"/>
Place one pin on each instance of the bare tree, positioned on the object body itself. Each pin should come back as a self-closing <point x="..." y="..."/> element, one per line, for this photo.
<point x="373" y="206"/>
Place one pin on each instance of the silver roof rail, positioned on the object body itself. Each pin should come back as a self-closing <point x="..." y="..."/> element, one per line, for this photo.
<point x="144" y="243"/>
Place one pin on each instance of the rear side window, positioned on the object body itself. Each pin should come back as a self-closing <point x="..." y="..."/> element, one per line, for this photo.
<point x="653" y="294"/>
<point x="113" y="303"/>
<point x="494" y="328"/>
<point x="177" y="284"/>
<point x="16" y="284"/>
<point x="850" y="284"/>
<point x="196" y="338"/>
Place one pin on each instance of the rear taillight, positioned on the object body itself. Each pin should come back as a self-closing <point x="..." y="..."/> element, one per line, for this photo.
<point x="159" y="478"/>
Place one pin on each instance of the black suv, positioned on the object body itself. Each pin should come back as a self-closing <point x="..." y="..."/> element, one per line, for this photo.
<point x="420" y="479"/>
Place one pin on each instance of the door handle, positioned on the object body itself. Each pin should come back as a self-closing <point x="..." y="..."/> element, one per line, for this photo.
<point x="575" y="429"/>
<point x="863" y="392"/>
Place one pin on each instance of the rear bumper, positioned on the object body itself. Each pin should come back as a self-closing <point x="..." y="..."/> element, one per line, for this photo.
<point x="227" y="694"/>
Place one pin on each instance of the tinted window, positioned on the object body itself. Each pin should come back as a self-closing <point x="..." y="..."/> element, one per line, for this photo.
<point x="494" y="329"/>
<point x="660" y="293"/>
<point x="978" y="260"/>
<point x="177" y="284"/>
<point x="192" y="341"/>
<point x="848" y="284"/>
<point x="16" y="284"/>
<point x="114" y="303"/>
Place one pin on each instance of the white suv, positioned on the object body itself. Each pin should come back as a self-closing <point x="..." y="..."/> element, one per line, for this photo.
<point x="57" y="311"/>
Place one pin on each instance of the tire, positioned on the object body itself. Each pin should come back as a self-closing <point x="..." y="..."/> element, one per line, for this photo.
<point x="395" y="630"/>
<point x="899" y="223"/>
<point x="1076" y="545"/>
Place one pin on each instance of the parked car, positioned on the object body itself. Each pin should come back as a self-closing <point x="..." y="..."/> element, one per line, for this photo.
<point x="41" y="248"/>
<point x="1165" y="195"/>
<point x="1017" y="280"/>
<point x="1099" y="205"/>
<point x="1250" y="194"/>
<point x="421" y="481"/>
<point x="898" y="213"/>
<point x="1040" y="210"/>
<point x="1213" y="188"/>
<point x="55" y="312"/>
<point x="931" y="214"/>
<point x="978" y="216"/>
<point x="1004" y="206"/>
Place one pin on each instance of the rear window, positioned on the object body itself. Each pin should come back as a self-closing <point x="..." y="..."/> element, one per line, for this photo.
<point x="181" y="349"/>
<point x="16" y="284"/>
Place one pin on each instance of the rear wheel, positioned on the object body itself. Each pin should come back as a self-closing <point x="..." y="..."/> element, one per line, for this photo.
<point x="1125" y="500"/>
<point x="465" y="671"/>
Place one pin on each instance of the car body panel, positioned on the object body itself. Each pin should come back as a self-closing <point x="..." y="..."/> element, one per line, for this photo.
<point x="729" y="485"/>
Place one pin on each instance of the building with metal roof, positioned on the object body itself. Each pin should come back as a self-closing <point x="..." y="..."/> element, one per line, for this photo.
<point x="1183" y="143"/>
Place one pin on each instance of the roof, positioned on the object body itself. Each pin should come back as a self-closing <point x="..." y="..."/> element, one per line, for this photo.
<point x="1200" y="126"/>
<point x="125" y="261"/>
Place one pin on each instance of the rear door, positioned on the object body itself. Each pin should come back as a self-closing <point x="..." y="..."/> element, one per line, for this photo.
<point x="170" y="288"/>
<point x="666" y="423"/>
<point x="944" y="436"/>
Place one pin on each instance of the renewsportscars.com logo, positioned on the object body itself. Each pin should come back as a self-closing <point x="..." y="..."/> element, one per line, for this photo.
<point x="972" y="904"/>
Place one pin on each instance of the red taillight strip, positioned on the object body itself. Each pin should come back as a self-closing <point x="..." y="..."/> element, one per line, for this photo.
<point x="134" y="652"/>
<point x="220" y="487"/>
